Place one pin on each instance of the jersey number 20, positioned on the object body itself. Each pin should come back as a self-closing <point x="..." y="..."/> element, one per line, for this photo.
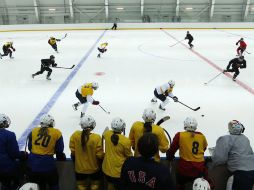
<point x="42" y="140"/>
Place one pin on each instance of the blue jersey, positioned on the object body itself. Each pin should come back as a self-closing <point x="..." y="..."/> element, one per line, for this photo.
<point x="43" y="148"/>
<point x="9" y="150"/>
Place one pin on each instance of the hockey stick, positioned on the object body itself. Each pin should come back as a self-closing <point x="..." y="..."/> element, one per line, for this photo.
<point x="65" y="67"/>
<point x="213" y="78"/>
<point x="103" y="138"/>
<point x="107" y="112"/>
<point x="64" y="36"/>
<point x="176" y="43"/>
<point x="194" y="109"/>
<point x="170" y="140"/>
<point x="247" y="52"/>
<point x="162" y="120"/>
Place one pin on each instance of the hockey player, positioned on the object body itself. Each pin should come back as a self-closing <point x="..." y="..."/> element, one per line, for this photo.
<point x="190" y="38"/>
<point x="84" y="94"/>
<point x="235" y="151"/>
<point x="45" y="66"/>
<point x="102" y="49"/>
<point x="9" y="151"/>
<point x="139" y="128"/>
<point x="29" y="186"/>
<point x="241" y="47"/>
<point x="43" y="142"/>
<point x="191" y="145"/>
<point x="118" y="149"/>
<point x="7" y="49"/>
<point x="143" y="172"/>
<point x="161" y="92"/>
<point x="235" y="64"/>
<point x="52" y="41"/>
<point x="87" y="154"/>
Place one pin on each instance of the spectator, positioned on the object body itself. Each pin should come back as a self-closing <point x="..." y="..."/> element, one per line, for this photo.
<point x="9" y="151"/>
<point x="139" y="128"/>
<point x="86" y="151"/>
<point x="43" y="143"/>
<point x="143" y="173"/>
<point x="191" y="145"/>
<point x="200" y="184"/>
<point x="118" y="148"/>
<point x="235" y="151"/>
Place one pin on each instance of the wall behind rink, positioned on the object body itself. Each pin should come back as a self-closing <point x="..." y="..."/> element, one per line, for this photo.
<point x="121" y="26"/>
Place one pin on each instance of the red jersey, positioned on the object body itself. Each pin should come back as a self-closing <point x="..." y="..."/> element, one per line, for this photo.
<point x="242" y="44"/>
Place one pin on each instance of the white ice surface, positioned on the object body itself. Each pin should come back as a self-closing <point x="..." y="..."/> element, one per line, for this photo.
<point x="135" y="63"/>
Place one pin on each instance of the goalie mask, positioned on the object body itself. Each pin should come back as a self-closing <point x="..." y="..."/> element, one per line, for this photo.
<point x="235" y="127"/>
<point x="95" y="85"/>
<point x="171" y="83"/>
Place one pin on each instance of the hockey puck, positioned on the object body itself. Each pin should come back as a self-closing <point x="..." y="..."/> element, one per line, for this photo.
<point x="203" y="115"/>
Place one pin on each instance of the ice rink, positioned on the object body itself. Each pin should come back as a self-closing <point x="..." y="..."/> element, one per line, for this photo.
<point x="136" y="62"/>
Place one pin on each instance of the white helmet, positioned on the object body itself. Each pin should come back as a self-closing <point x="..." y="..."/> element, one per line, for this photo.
<point x="118" y="125"/>
<point x="200" y="184"/>
<point x="149" y="115"/>
<point x="235" y="127"/>
<point x="47" y="121"/>
<point x="190" y="124"/>
<point x="95" y="85"/>
<point x="30" y="186"/>
<point x="171" y="83"/>
<point x="4" y="121"/>
<point x="87" y="122"/>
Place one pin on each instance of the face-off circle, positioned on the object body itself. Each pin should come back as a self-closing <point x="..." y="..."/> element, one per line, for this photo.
<point x="99" y="73"/>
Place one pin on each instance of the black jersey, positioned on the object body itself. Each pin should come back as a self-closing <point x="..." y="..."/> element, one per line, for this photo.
<point x="47" y="62"/>
<point x="189" y="37"/>
<point x="235" y="63"/>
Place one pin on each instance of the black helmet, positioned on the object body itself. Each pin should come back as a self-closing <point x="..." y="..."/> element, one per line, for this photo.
<point x="52" y="57"/>
<point x="241" y="57"/>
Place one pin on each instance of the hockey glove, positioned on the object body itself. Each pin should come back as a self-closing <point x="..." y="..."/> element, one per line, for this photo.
<point x="23" y="155"/>
<point x="55" y="64"/>
<point x="13" y="49"/>
<point x="96" y="102"/>
<point x="175" y="99"/>
<point x="60" y="156"/>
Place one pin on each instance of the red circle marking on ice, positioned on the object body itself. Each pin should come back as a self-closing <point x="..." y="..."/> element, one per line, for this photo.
<point x="99" y="73"/>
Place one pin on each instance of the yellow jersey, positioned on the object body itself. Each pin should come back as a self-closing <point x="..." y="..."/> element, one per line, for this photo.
<point x="44" y="145"/>
<point x="192" y="146"/>
<point x="52" y="41"/>
<point x="86" y="89"/>
<point x="104" y="45"/>
<point x="115" y="155"/>
<point x="86" y="161"/>
<point x="137" y="130"/>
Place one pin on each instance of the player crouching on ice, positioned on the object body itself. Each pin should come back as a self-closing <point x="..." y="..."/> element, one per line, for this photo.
<point x="161" y="92"/>
<point x="45" y="64"/>
<point x="235" y="64"/>
<point x="102" y="49"/>
<point x="84" y="94"/>
<point x="7" y="49"/>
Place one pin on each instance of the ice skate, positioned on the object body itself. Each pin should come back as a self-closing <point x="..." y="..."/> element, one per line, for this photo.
<point x="48" y="78"/>
<point x="160" y="107"/>
<point x="33" y="75"/>
<point x="82" y="115"/>
<point x="75" y="106"/>
<point x="154" y="101"/>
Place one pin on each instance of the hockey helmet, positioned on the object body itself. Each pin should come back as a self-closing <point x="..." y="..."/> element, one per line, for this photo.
<point x="87" y="122"/>
<point x="4" y="121"/>
<point x="118" y="125"/>
<point x="47" y="121"/>
<point x="149" y="115"/>
<point x="190" y="124"/>
<point x="52" y="57"/>
<point x="95" y="85"/>
<point x="29" y="186"/>
<point x="235" y="127"/>
<point x="200" y="184"/>
<point x="241" y="39"/>
<point x="171" y="83"/>
<point x="241" y="57"/>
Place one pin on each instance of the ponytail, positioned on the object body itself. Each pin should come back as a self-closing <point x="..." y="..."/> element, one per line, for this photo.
<point x="148" y="127"/>
<point x="85" y="137"/>
<point x="43" y="131"/>
<point x="114" y="138"/>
